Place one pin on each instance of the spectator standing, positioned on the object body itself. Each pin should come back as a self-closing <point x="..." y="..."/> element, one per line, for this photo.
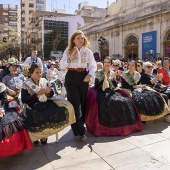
<point x="33" y="59"/>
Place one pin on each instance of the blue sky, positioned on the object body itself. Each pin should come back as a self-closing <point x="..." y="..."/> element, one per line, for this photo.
<point x="70" y="7"/>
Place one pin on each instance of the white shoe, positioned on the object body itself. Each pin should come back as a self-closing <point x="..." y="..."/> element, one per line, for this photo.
<point x="167" y="118"/>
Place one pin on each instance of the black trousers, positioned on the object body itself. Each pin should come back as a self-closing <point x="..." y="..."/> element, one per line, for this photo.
<point x="76" y="95"/>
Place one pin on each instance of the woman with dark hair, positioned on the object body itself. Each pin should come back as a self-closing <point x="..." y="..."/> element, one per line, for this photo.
<point x="140" y="67"/>
<point x="13" y="135"/>
<point x="110" y="112"/>
<point x="43" y="116"/>
<point x="150" y="103"/>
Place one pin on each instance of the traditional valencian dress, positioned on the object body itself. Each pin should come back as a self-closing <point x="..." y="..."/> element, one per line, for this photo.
<point x="44" y="117"/>
<point x="150" y="103"/>
<point x="110" y="112"/>
<point x="13" y="134"/>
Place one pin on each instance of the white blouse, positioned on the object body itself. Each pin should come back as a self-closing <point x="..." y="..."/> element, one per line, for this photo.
<point x="84" y="59"/>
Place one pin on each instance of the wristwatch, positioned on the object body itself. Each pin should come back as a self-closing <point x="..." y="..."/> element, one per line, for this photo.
<point x="69" y="61"/>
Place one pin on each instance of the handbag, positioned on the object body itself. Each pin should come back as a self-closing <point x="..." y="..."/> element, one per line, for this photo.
<point x="159" y="87"/>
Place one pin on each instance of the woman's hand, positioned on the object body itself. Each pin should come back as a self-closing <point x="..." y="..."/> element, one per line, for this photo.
<point x="47" y="90"/>
<point x="51" y="77"/>
<point x="2" y="112"/>
<point x="11" y="92"/>
<point x="140" y="86"/>
<point x="41" y="91"/>
<point x="159" y="76"/>
<point x="114" y="75"/>
<point x="87" y="78"/>
<point x="119" y="72"/>
<point x="74" y="54"/>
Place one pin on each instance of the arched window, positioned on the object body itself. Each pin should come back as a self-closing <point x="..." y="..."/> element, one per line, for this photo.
<point x="105" y="44"/>
<point x="132" y="41"/>
<point x="168" y="37"/>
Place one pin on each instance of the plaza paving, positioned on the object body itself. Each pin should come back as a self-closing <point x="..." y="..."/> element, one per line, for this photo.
<point x="145" y="150"/>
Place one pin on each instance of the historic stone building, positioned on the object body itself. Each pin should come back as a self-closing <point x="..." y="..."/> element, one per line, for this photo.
<point x="132" y="29"/>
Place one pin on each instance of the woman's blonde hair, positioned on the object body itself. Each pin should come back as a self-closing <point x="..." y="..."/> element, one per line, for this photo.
<point x="117" y="62"/>
<point x="72" y="44"/>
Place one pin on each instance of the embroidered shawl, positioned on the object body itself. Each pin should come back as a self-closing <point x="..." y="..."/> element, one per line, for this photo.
<point x="42" y="83"/>
<point x="136" y="77"/>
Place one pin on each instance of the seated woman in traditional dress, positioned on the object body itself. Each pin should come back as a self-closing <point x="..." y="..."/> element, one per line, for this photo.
<point x="116" y="65"/>
<point x="13" y="135"/>
<point x="149" y="79"/>
<point x="150" y="103"/>
<point x="110" y="113"/>
<point x="44" y="117"/>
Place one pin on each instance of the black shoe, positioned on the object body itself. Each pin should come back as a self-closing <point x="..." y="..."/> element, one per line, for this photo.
<point x="144" y="122"/>
<point x="44" y="141"/>
<point x="83" y="137"/>
<point x="36" y="143"/>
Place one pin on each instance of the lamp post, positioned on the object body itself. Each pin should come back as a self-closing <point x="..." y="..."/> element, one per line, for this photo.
<point x="101" y="42"/>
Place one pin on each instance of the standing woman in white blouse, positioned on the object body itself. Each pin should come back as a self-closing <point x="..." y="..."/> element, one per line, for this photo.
<point x="79" y="60"/>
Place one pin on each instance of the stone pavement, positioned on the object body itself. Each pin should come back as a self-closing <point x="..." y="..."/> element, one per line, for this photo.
<point x="145" y="150"/>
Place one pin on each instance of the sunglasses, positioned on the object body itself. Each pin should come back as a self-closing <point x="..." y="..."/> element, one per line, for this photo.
<point x="115" y="65"/>
<point x="166" y="62"/>
<point x="149" y="66"/>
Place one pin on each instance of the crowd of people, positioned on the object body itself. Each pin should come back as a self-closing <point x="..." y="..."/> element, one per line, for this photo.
<point x="112" y="98"/>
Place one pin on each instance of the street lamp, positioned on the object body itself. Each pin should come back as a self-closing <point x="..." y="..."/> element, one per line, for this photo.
<point x="101" y="42"/>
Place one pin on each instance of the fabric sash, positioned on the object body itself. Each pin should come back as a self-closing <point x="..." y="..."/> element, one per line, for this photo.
<point x="130" y="78"/>
<point x="31" y="85"/>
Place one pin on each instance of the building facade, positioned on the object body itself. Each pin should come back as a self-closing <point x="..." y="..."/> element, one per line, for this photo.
<point x="9" y="23"/>
<point x="49" y="31"/>
<point x="44" y="27"/>
<point x="10" y="31"/>
<point x="90" y="11"/>
<point x="29" y="6"/>
<point x="132" y="29"/>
